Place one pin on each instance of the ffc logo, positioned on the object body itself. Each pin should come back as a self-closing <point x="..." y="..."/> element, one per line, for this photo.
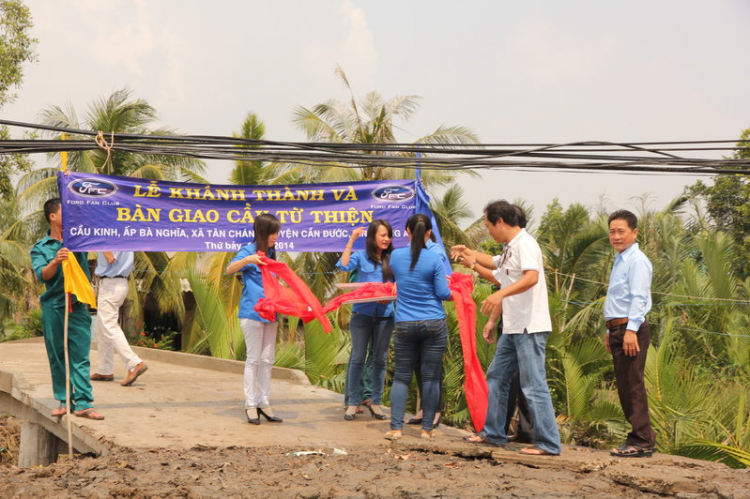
<point x="393" y="193"/>
<point x="92" y="188"/>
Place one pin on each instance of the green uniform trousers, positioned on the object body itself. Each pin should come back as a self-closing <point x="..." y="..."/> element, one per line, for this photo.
<point x="79" y="345"/>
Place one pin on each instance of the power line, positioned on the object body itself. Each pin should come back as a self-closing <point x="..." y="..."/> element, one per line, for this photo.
<point x="591" y="156"/>
<point x="729" y="300"/>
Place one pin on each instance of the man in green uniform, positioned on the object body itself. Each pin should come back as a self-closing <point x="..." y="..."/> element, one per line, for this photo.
<point x="46" y="258"/>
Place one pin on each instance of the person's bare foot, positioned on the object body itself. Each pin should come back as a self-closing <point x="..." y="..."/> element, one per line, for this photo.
<point x="89" y="413"/>
<point x="393" y="435"/>
<point x="60" y="411"/>
<point x="477" y="439"/>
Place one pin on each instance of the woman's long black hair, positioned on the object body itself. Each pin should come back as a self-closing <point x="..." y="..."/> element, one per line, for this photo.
<point x="418" y="224"/>
<point x="264" y="226"/>
<point x="372" y="247"/>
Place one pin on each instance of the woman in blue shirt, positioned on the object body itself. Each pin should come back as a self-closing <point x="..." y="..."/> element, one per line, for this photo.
<point x="370" y="321"/>
<point x="421" y="331"/>
<point x="259" y="333"/>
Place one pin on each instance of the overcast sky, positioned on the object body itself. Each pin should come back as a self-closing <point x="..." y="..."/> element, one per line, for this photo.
<point x="532" y="71"/>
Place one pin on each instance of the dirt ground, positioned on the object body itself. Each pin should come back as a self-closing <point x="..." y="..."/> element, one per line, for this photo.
<point x="409" y="468"/>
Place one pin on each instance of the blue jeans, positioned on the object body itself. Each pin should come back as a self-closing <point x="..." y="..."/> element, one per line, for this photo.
<point x="425" y="340"/>
<point x="525" y="353"/>
<point x="365" y="329"/>
<point x="366" y="392"/>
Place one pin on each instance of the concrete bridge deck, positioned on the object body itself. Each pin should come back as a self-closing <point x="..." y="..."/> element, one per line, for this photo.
<point x="182" y="401"/>
<point x="185" y="401"/>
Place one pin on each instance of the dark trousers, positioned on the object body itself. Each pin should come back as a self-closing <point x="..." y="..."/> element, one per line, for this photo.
<point x="631" y="386"/>
<point x="517" y="400"/>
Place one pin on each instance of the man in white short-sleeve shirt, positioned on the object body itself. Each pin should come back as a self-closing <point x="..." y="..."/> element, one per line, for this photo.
<point x="522" y="300"/>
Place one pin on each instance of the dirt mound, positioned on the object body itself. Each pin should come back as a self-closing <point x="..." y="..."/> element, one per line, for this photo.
<point x="10" y="438"/>
<point x="409" y="468"/>
<point x="402" y="470"/>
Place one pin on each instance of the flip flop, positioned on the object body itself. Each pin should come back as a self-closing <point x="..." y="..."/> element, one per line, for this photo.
<point x="536" y="451"/>
<point x="60" y="411"/>
<point x="89" y="413"/>
<point x="627" y="450"/>
<point x="477" y="439"/>
<point x="393" y="435"/>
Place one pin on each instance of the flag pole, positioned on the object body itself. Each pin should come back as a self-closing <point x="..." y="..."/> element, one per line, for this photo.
<point x="67" y="377"/>
<point x="64" y="167"/>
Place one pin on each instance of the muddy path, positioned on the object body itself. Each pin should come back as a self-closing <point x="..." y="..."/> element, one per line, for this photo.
<point x="409" y="468"/>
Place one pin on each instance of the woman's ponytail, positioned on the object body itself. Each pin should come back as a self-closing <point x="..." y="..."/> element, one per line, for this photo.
<point x="418" y="224"/>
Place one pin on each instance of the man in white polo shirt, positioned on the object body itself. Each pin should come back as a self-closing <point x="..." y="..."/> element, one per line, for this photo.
<point x="522" y="300"/>
<point x="113" y="269"/>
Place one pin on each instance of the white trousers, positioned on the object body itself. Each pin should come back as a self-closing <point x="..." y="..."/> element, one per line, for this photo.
<point x="106" y="329"/>
<point x="260" y="342"/>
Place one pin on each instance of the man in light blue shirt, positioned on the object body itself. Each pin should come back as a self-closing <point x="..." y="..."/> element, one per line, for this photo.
<point x="113" y="269"/>
<point x="628" y="332"/>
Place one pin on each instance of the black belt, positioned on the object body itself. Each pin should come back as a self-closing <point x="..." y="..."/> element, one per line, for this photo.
<point x="612" y="323"/>
<point x="113" y="277"/>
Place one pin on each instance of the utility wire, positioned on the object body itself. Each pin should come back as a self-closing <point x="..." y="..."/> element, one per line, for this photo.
<point x="593" y="156"/>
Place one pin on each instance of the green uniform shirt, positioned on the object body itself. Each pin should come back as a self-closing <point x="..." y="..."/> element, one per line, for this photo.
<point x="44" y="251"/>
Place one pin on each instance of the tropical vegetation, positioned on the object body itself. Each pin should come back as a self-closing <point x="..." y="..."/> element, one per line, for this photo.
<point x="698" y="370"/>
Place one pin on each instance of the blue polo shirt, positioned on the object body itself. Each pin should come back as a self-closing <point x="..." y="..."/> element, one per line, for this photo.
<point x="252" y="284"/>
<point x="420" y="292"/>
<point x="367" y="271"/>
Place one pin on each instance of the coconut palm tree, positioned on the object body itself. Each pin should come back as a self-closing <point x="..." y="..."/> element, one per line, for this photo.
<point x="117" y="113"/>
<point x="450" y="212"/>
<point x="371" y="121"/>
<point x="14" y="259"/>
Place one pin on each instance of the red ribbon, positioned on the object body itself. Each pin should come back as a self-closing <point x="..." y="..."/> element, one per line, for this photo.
<point x="461" y="286"/>
<point x="369" y="290"/>
<point x="475" y="384"/>
<point x="296" y="300"/>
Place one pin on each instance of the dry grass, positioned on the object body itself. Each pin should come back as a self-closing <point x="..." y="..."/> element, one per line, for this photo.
<point x="10" y="438"/>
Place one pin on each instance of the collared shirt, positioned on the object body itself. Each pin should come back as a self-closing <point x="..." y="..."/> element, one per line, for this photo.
<point x="120" y="267"/>
<point x="367" y="271"/>
<point x="528" y="310"/>
<point x="440" y="250"/>
<point x="629" y="293"/>
<point x="421" y="291"/>
<point x="44" y="251"/>
<point x="252" y="284"/>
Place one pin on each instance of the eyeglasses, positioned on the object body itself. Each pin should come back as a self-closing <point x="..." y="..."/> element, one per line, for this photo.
<point x="507" y="253"/>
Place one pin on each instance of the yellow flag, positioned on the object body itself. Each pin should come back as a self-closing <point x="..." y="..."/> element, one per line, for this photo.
<point x="76" y="281"/>
<point x="63" y="157"/>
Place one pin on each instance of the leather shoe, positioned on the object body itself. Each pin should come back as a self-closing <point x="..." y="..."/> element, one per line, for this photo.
<point x="414" y="421"/>
<point x="102" y="377"/>
<point x="134" y="373"/>
<point x="256" y="419"/>
<point x="269" y="417"/>
<point x="376" y="414"/>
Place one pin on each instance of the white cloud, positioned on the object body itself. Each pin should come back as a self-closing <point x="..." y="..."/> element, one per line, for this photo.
<point x="358" y="48"/>
<point x="349" y="43"/>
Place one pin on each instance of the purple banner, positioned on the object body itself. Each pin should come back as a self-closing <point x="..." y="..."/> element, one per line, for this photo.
<point x="102" y="212"/>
